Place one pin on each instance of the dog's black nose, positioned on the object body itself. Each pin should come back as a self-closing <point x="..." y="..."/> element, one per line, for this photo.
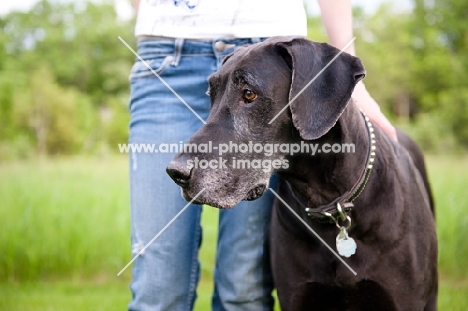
<point x="179" y="172"/>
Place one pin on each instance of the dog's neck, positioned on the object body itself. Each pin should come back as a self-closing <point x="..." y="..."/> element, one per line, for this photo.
<point x="328" y="176"/>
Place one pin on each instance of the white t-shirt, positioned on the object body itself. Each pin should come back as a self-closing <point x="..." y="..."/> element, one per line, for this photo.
<point x="209" y="19"/>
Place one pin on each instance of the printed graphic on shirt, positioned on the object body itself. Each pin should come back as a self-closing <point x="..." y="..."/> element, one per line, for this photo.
<point x="186" y="4"/>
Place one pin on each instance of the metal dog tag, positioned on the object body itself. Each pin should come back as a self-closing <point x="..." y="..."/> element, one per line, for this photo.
<point x="345" y="245"/>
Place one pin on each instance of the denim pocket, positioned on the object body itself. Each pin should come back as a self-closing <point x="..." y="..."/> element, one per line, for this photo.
<point x="158" y="65"/>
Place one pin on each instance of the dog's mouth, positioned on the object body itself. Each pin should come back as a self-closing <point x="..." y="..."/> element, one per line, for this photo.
<point x="255" y="193"/>
<point x="224" y="202"/>
<point x="189" y="198"/>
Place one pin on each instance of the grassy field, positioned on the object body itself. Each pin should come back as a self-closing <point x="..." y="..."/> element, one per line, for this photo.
<point x="65" y="235"/>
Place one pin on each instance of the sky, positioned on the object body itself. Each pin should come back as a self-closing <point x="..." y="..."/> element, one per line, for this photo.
<point x="125" y="11"/>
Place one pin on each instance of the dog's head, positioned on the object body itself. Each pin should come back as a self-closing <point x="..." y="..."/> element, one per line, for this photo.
<point x="264" y="96"/>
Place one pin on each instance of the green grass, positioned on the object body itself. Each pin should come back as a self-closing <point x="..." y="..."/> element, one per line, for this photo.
<point x="58" y="296"/>
<point x="449" y="181"/>
<point x="65" y="234"/>
<point x="86" y="295"/>
<point x="63" y="217"/>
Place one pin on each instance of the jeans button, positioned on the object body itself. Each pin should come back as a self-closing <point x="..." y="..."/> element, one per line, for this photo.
<point x="220" y="46"/>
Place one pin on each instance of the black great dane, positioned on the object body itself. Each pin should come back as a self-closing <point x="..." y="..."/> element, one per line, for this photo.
<point x="373" y="205"/>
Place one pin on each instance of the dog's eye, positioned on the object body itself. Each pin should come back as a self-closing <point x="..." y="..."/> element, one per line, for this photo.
<point x="249" y="96"/>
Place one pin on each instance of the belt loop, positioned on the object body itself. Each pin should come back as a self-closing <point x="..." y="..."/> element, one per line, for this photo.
<point x="179" y="42"/>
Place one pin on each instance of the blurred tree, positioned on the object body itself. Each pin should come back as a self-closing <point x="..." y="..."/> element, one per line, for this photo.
<point x="78" y="41"/>
<point x="440" y="28"/>
<point x="384" y="44"/>
<point x="57" y="118"/>
<point x="76" y="47"/>
<point x="417" y="66"/>
<point x="7" y="127"/>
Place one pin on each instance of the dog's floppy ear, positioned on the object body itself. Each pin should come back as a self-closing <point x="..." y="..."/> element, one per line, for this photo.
<point x="318" y="107"/>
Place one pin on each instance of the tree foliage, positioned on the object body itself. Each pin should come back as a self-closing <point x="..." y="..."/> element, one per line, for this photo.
<point x="417" y="64"/>
<point x="441" y="27"/>
<point x="61" y="67"/>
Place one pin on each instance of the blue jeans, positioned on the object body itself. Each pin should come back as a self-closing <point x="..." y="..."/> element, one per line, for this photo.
<point x="165" y="276"/>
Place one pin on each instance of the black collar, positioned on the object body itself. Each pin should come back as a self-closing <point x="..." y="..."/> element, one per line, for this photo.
<point x="344" y="204"/>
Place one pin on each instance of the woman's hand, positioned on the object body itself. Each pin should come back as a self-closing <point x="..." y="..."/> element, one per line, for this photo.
<point x="367" y="104"/>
